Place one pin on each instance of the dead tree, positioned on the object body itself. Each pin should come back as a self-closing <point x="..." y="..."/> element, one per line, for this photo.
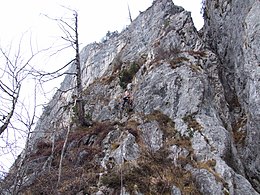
<point x="71" y="36"/>
<point x="14" y="71"/>
<point x="18" y="114"/>
<point x="129" y="13"/>
<point x="80" y="105"/>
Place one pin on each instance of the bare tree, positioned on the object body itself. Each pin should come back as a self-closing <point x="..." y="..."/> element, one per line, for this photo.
<point x="17" y="112"/>
<point x="12" y="76"/>
<point x="17" y="115"/>
<point x="71" y="36"/>
<point x="80" y="105"/>
<point x="129" y="13"/>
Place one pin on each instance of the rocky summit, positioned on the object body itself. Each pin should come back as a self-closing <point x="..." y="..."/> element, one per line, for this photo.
<point x="193" y="124"/>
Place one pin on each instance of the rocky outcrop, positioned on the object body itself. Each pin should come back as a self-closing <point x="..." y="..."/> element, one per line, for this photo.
<point x="232" y="30"/>
<point x="190" y="129"/>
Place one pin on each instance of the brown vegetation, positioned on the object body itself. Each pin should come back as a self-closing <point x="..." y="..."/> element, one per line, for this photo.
<point x="153" y="173"/>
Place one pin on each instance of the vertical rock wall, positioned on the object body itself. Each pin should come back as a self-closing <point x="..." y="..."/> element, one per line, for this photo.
<point x="232" y="29"/>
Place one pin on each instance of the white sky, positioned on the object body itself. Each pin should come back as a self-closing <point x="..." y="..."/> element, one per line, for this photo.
<point x="96" y="17"/>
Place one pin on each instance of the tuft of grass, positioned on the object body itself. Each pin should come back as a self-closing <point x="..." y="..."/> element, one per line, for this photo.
<point x="176" y="62"/>
<point x="165" y="122"/>
<point x="197" y="53"/>
<point x="192" y="123"/>
<point x="112" y="180"/>
<point x="196" y="68"/>
<point x="209" y="165"/>
<point x="239" y="134"/>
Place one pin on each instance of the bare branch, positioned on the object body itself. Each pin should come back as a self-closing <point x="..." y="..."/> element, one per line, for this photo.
<point x="10" y="114"/>
<point x="54" y="72"/>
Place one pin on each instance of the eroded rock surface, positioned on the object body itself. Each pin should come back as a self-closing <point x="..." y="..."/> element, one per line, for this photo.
<point x="194" y="124"/>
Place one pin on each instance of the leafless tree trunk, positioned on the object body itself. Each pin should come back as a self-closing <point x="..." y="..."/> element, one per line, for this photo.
<point x="71" y="36"/>
<point x="129" y="12"/>
<point x="80" y="105"/>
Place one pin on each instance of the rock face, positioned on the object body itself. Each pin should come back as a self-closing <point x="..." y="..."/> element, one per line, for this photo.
<point x="232" y="31"/>
<point x="193" y="127"/>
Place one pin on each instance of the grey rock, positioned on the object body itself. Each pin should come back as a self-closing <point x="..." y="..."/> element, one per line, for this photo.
<point x="152" y="135"/>
<point x="99" y="193"/>
<point x="82" y="157"/>
<point x="234" y="183"/>
<point x="206" y="83"/>
<point x="206" y="182"/>
<point x="232" y="30"/>
<point x="176" y="152"/>
<point x="128" y="149"/>
<point x="175" y="191"/>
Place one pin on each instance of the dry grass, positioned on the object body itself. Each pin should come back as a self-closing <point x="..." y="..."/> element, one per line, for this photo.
<point x="132" y="127"/>
<point x="73" y="180"/>
<point x="239" y="134"/>
<point x="153" y="173"/>
<point x="176" y="62"/>
<point x="108" y="79"/>
<point x="209" y="166"/>
<point x="196" y="68"/>
<point x="166" y="124"/>
<point x="77" y="173"/>
<point x="192" y="123"/>
<point x="197" y="53"/>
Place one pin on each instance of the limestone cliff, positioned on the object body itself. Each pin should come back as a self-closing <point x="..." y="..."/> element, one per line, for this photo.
<point x="232" y="31"/>
<point x="193" y="127"/>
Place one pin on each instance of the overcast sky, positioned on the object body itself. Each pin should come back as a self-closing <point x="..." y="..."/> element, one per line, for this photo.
<point x="96" y="17"/>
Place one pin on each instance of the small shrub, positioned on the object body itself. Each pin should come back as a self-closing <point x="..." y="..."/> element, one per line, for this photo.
<point x="88" y="116"/>
<point x="126" y="75"/>
<point x="43" y="149"/>
<point x="112" y="180"/>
